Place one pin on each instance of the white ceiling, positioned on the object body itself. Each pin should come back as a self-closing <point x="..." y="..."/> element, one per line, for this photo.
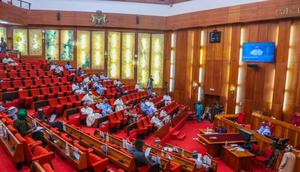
<point x="107" y="6"/>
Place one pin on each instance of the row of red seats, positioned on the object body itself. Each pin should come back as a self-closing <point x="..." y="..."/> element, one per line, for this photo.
<point x="27" y="97"/>
<point x="144" y="126"/>
<point x="33" y="150"/>
<point x="134" y="97"/>
<point x="94" y="161"/>
<point x="117" y="119"/>
<point x="32" y="83"/>
<point x="15" y="75"/>
<point x="171" y="108"/>
<point x="58" y="105"/>
<point x="21" y="66"/>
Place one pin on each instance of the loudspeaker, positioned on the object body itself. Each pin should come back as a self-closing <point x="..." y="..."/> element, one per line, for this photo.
<point x="137" y="20"/>
<point x="58" y="16"/>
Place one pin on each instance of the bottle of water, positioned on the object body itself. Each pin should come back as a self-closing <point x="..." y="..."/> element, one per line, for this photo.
<point x="67" y="150"/>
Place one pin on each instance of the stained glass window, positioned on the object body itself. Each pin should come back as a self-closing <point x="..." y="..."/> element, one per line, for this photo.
<point x="113" y="64"/>
<point x="20" y="40"/>
<point x="35" y="42"/>
<point x="51" y="44"/>
<point x="127" y="55"/>
<point x="98" y="39"/>
<point x="3" y="33"/>
<point x="157" y="59"/>
<point x="83" y="49"/>
<point x="67" y="45"/>
<point x="143" y="58"/>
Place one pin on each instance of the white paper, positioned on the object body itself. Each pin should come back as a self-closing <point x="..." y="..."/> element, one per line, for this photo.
<point x="147" y="152"/>
<point x="52" y="118"/>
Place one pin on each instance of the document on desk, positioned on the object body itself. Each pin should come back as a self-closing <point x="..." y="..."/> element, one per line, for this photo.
<point x="147" y="152"/>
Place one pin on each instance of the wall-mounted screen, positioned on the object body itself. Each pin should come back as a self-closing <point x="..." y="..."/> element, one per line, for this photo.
<point x="258" y="52"/>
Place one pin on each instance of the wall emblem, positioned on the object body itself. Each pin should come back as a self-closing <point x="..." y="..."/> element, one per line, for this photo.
<point x="99" y="18"/>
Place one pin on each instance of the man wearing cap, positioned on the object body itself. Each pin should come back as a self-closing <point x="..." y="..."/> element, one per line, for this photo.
<point x="88" y="98"/>
<point x="264" y="130"/>
<point x="105" y="107"/>
<point x="156" y="121"/>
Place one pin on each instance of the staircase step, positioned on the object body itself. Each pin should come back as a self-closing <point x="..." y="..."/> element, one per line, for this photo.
<point x="176" y="133"/>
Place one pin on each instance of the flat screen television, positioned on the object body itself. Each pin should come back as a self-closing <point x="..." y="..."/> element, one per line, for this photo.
<point x="258" y="52"/>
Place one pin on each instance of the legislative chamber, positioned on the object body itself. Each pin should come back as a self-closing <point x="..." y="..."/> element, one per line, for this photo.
<point x="149" y="85"/>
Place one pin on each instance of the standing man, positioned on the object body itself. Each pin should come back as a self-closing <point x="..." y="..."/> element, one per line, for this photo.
<point x="288" y="160"/>
<point x="199" y="109"/>
<point x="150" y="85"/>
<point x="3" y="46"/>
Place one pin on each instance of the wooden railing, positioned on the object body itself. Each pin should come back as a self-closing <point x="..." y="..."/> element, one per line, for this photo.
<point x="12" y="145"/>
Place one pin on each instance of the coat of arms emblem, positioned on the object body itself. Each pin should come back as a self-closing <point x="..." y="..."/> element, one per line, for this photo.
<point x="99" y="18"/>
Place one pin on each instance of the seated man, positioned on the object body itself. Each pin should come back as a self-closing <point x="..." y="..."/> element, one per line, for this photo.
<point x="296" y="119"/>
<point x="24" y="129"/>
<point x="41" y="116"/>
<point x="132" y="117"/>
<point x="119" y="105"/>
<point x="12" y="112"/>
<point x="91" y="116"/>
<point x="99" y="88"/>
<point x="80" y="72"/>
<point x="117" y="83"/>
<point x="167" y="99"/>
<point x="147" y="107"/>
<point x="264" y="130"/>
<point x="155" y="121"/>
<point x="88" y="98"/>
<point x="56" y="68"/>
<point x="77" y="89"/>
<point x="105" y="107"/>
<point x="87" y="80"/>
<point x="140" y="158"/>
<point x="69" y="67"/>
<point x="95" y="78"/>
<point x="197" y="158"/>
<point x="138" y="87"/>
<point x="121" y="90"/>
<point x="9" y="61"/>
<point x="166" y="119"/>
<point x="103" y="77"/>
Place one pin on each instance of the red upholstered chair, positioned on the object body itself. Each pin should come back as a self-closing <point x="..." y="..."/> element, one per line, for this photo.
<point x="48" y="168"/>
<point x="65" y="90"/>
<point x="25" y="98"/>
<point x="53" y="103"/>
<point x="18" y="84"/>
<point x="39" y="83"/>
<point x="12" y="129"/>
<point x="96" y="163"/>
<point x="82" y="148"/>
<point x="254" y="148"/>
<point x="35" y="153"/>
<point x="147" y="123"/>
<point x="175" y="167"/>
<point x="141" y="129"/>
<point x="267" y="153"/>
<point x="66" y="137"/>
<point x="6" y="86"/>
<point x="240" y="118"/>
<point x="36" y="94"/>
<point x="32" y="143"/>
<point x="56" y="92"/>
<point x="113" y="121"/>
<point x="74" y="100"/>
<point x="66" y="104"/>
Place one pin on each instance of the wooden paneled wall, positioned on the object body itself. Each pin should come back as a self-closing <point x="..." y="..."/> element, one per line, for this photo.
<point x="260" y="88"/>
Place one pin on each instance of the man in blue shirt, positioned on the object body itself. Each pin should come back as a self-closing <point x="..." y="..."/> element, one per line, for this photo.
<point x="264" y="130"/>
<point x="69" y="67"/>
<point x="99" y="88"/>
<point x="106" y="108"/>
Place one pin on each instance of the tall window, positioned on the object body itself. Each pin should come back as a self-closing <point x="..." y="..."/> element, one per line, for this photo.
<point x="172" y="64"/>
<point x="83" y="49"/>
<point x="98" y="46"/>
<point x="143" y="58"/>
<point x="20" y="40"/>
<point x="157" y="59"/>
<point x="201" y="65"/>
<point x="35" y="42"/>
<point x="51" y="44"/>
<point x="67" y="45"/>
<point x="3" y="33"/>
<point x="128" y="41"/>
<point x="113" y="65"/>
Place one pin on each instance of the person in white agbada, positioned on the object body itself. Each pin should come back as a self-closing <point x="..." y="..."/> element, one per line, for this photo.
<point x="86" y="80"/>
<point x="117" y="83"/>
<point x="155" y="121"/>
<point x="95" y="78"/>
<point x="88" y="98"/>
<point x="138" y="87"/>
<point x="163" y="114"/>
<point x="167" y="99"/>
<point x="166" y="119"/>
<point x="77" y="89"/>
<point x="9" y="61"/>
<point x="91" y="116"/>
<point x="119" y="105"/>
<point x="151" y="105"/>
<point x="206" y="161"/>
<point x="197" y="158"/>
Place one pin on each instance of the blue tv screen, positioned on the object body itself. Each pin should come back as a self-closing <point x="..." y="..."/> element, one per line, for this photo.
<point x="258" y="52"/>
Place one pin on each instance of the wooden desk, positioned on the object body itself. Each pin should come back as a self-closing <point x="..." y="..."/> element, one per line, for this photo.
<point x="214" y="142"/>
<point x="204" y="131"/>
<point x="237" y="160"/>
